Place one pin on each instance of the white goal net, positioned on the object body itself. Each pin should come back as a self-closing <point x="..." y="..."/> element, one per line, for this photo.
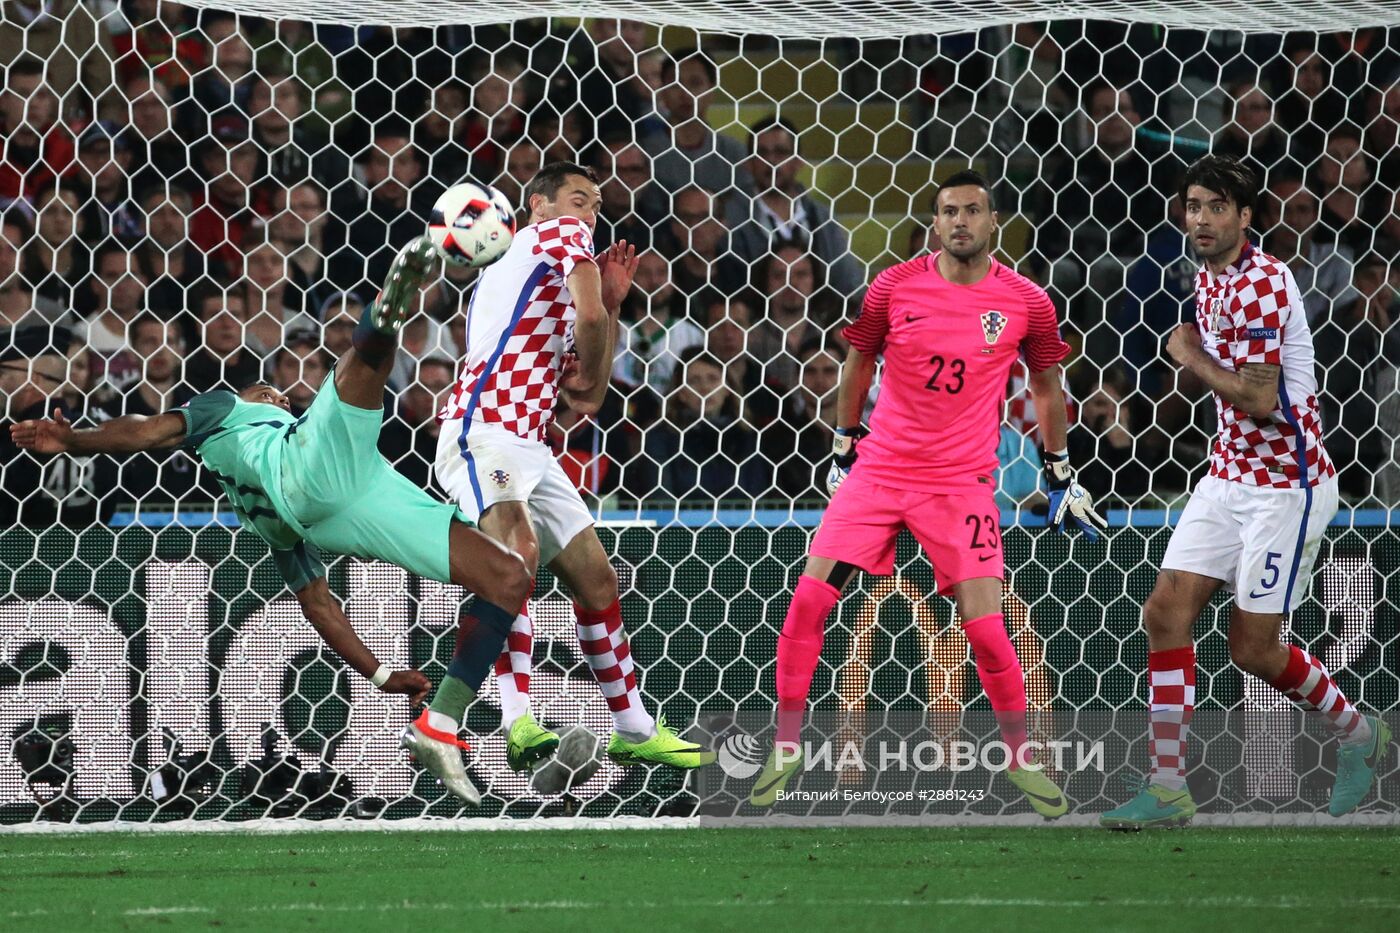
<point x="193" y="197"/>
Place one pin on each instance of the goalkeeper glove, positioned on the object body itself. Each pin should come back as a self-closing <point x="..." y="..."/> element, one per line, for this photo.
<point x="1068" y="499"/>
<point x="843" y="456"/>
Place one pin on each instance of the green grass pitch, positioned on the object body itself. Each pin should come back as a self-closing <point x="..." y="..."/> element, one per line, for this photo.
<point x="705" y="879"/>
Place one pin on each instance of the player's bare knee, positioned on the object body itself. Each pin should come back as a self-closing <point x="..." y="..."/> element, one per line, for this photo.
<point x="512" y="579"/>
<point x="1163" y="618"/>
<point x="600" y="590"/>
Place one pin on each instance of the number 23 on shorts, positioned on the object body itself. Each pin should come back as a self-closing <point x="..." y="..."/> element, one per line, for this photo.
<point x="986" y="535"/>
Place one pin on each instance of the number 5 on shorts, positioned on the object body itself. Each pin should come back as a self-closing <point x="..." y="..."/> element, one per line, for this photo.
<point x="1270" y="579"/>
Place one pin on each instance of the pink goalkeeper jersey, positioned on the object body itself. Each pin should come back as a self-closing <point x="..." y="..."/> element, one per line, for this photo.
<point x="948" y="353"/>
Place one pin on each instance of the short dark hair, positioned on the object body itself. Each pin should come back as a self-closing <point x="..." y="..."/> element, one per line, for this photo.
<point x="670" y="64"/>
<point x="146" y="318"/>
<point x="962" y="179"/>
<point x="768" y="123"/>
<point x="550" y="179"/>
<point x="27" y="66"/>
<point x="1223" y="175"/>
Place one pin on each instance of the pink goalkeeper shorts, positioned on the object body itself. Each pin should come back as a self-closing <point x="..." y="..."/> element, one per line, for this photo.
<point x="959" y="531"/>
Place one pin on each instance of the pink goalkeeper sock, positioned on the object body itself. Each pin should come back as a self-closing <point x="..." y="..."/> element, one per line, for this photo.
<point x="1000" y="672"/>
<point x="799" y="647"/>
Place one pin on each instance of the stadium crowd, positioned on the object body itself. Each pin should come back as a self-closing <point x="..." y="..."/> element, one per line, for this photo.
<point x="194" y="200"/>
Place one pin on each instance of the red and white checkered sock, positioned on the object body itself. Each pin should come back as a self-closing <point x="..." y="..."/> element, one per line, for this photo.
<point x="1306" y="682"/>
<point x="513" y="669"/>
<point x="604" y="646"/>
<point x="1172" y="676"/>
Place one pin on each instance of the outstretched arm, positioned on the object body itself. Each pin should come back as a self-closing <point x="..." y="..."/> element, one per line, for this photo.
<point x="128" y="434"/>
<point x="328" y="619"/>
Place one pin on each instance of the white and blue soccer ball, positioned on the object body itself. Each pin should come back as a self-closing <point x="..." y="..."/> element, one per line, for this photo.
<point x="472" y="225"/>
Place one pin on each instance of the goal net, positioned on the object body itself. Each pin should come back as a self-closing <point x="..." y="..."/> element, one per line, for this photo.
<point x="194" y="197"/>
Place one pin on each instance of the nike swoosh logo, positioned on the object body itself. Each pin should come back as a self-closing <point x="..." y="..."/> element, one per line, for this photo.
<point x="1254" y="595"/>
<point x="909" y="318"/>
<point x="983" y="560"/>
<point x="1042" y="798"/>
<point x="1374" y="758"/>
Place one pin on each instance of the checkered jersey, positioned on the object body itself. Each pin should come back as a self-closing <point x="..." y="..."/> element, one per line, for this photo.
<point x="1253" y="313"/>
<point x="519" y="323"/>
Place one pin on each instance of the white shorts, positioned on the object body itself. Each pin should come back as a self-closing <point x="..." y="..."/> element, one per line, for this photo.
<point x="1262" y="542"/>
<point x="498" y="466"/>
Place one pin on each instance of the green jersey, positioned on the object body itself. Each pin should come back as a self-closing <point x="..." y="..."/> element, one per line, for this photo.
<point x="242" y="444"/>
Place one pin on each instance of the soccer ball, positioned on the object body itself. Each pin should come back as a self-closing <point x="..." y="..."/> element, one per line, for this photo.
<point x="472" y="225"/>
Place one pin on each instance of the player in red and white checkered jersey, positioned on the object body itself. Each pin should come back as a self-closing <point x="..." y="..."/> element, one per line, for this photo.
<point x="541" y="326"/>
<point x="1254" y="524"/>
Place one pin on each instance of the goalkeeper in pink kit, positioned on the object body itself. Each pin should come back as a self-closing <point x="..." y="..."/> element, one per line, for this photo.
<point x="950" y="325"/>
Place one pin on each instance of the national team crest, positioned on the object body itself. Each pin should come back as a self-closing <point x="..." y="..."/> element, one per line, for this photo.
<point x="1217" y="314"/>
<point x="500" y="478"/>
<point x="993" y="323"/>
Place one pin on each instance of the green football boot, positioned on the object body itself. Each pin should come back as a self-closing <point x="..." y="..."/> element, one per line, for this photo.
<point x="774" y="778"/>
<point x="1154" y="807"/>
<point x="528" y="743"/>
<point x="1044" y="795"/>
<point x="664" y="748"/>
<point x="1356" y="768"/>
<point x="407" y="273"/>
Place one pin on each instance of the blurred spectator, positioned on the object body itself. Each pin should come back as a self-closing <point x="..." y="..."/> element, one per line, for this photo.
<point x="298" y="368"/>
<point x="1102" y="443"/>
<point x="785" y="210"/>
<point x="1342" y="177"/>
<point x="168" y="260"/>
<point x="788" y="279"/>
<point x="733" y="338"/>
<point x="1349" y="348"/>
<point x="386" y="213"/>
<point x="523" y="161"/>
<point x="1383" y="133"/>
<point x="118" y="298"/>
<point x="16" y="298"/>
<point x="340" y="314"/>
<point x="169" y="475"/>
<point x="1161" y="286"/>
<point x="689" y="152"/>
<point x="288" y="154"/>
<point x="298" y="230"/>
<point x="159" y="41"/>
<point x="420" y="338"/>
<point x="72" y="39"/>
<point x="439" y="134"/>
<point x="1387" y="483"/>
<point x="1250" y="133"/>
<point x="41" y="491"/>
<point x="611" y="89"/>
<point x="654" y="327"/>
<point x="496" y="119"/>
<point x="1322" y="270"/>
<point x="798" y="444"/>
<point x="634" y="206"/>
<point x="1388" y="234"/>
<point x="223" y="207"/>
<point x="1018" y="470"/>
<point x="104" y="166"/>
<point x="221" y="90"/>
<point x="1312" y="107"/>
<point x="563" y="138"/>
<point x="80" y="390"/>
<point x="160" y="158"/>
<point x="268" y="296"/>
<point x="1094" y="218"/>
<point x="222" y="361"/>
<point x="694" y="242"/>
<point x="303" y="49"/>
<point x="409" y="437"/>
<point x="54" y="261"/>
<point x="701" y="449"/>
<point x="38" y="147"/>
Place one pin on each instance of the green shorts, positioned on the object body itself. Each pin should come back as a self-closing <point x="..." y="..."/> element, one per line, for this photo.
<point x="349" y="500"/>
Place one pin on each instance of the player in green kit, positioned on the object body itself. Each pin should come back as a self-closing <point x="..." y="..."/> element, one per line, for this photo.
<point x="318" y="483"/>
